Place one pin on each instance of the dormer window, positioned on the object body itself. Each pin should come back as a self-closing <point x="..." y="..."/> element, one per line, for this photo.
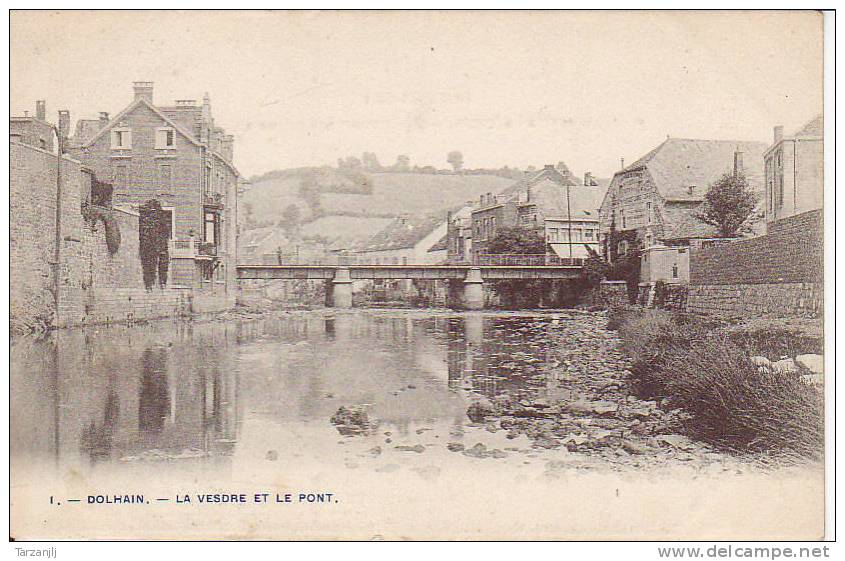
<point x="165" y="138"/>
<point x="121" y="138"/>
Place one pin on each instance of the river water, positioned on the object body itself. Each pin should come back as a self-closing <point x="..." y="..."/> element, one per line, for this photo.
<point x="177" y="408"/>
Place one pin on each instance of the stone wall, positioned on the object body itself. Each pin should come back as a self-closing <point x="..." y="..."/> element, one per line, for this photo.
<point x="780" y="274"/>
<point x="607" y="294"/>
<point x="95" y="286"/>
<point x="758" y="300"/>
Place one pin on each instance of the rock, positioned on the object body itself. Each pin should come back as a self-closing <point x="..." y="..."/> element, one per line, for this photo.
<point x="813" y="379"/>
<point x="604" y="407"/>
<point x="813" y="363"/>
<point x="785" y="366"/>
<point x="676" y="441"/>
<point x="478" y="410"/>
<point x="761" y="361"/>
<point x="477" y="451"/>
<point x="546" y="442"/>
<point x="352" y="421"/>
<point x="634" y="447"/>
<point x="418" y="448"/>
<point x="455" y="447"/>
<point x="272" y="455"/>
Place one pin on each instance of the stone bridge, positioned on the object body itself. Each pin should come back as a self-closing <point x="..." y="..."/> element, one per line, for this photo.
<point x="466" y="282"/>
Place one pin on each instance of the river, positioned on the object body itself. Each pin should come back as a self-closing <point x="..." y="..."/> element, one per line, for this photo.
<point x="173" y="408"/>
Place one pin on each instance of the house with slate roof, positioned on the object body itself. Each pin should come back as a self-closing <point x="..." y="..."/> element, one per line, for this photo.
<point x="177" y="155"/>
<point x="405" y="241"/>
<point x="655" y="199"/>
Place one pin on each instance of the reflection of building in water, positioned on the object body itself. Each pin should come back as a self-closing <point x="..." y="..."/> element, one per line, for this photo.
<point x="127" y="392"/>
<point x="153" y="398"/>
<point x="491" y="355"/>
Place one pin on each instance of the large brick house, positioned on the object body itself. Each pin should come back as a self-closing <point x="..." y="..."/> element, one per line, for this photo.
<point x="552" y="201"/>
<point x="794" y="171"/>
<point x="178" y="156"/>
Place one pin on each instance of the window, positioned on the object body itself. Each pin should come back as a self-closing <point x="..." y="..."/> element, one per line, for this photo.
<point x="578" y="235"/>
<point x="588" y="234"/>
<point x="622" y="248"/>
<point x="165" y="138"/>
<point x="674" y="270"/>
<point x="43" y="143"/>
<point x="121" y="139"/>
<point x="553" y="234"/>
<point x="648" y="240"/>
<point x="210" y="228"/>
<point x="648" y="213"/>
<point x="622" y="218"/>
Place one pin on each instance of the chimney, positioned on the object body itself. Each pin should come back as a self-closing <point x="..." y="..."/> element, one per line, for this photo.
<point x="143" y="90"/>
<point x="548" y="166"/>
<point x="778" y="133"/>
<point x="64" y="124"/>
<point x="588" y="179"/>
<point x="738" y="169"/>
<point x="104" y="118"/>
<point x="622" y="163"/>
<point x="41" y="110"/>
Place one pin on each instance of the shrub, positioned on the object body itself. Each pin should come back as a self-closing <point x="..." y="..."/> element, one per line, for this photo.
<point x="731" y="403"/>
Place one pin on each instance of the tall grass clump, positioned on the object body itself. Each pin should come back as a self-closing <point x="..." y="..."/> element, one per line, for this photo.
<point x="731" y="403"/>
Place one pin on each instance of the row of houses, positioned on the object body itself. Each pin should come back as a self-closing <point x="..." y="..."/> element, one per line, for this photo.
<point x="651" y="203"/>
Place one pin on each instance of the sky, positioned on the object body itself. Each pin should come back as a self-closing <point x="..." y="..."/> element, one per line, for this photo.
<point x="504" y="88"/>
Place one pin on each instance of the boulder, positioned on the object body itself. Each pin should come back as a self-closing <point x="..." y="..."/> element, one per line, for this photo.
<point x="813" y="363"/>
<point x="813" y="379"/>
<point x="761" y="361"/>
<point x="785" y="366"/>
<point x="479" y="410"/>
<point x="352" y="420"/>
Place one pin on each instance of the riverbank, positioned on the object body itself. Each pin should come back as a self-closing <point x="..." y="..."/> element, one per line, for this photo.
<point x="747" y="388"/>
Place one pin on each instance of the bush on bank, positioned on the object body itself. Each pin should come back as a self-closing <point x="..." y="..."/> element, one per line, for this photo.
<point x="706" y="370"/>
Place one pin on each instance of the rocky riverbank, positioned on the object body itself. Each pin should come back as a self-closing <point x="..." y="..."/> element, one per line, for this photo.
<point x="585" y="405"/>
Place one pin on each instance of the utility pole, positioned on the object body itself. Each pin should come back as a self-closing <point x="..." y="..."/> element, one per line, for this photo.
<point x="569" y="223"/>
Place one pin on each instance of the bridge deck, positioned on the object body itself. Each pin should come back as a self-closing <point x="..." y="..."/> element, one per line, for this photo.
<point x="432" y="272"/>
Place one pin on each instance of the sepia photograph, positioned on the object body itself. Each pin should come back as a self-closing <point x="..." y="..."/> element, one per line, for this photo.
<point x="437" y="275"/>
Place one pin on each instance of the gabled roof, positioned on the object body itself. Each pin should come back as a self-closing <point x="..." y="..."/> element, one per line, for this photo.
<point x="678" y="163"/>
<point x="134" y="105"/>
<point x="441" y="245"/>
<point x="544" y="174"/>
<point x="404" y="233"/>
<point x="551" y="198"/>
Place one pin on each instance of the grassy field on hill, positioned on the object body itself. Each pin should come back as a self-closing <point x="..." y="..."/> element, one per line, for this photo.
<point x="392" y="194"/>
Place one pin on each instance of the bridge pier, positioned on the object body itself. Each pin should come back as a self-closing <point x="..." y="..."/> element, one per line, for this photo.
<point x="339" y="289"/>
<point x="473" y="297"/>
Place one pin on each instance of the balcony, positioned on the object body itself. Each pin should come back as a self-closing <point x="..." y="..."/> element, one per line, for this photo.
<point x="191" y="248"/>
<point x="213" y="200"/>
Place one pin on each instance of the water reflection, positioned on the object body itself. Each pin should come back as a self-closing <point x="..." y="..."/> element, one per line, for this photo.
<point x="182" y="391"/>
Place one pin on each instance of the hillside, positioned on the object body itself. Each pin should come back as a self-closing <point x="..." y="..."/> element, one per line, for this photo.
<point x="378" y="194"/>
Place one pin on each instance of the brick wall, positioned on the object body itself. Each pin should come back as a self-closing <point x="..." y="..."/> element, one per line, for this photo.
<point x="780" y="274"/>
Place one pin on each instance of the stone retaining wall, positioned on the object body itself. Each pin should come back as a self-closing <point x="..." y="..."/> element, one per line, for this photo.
<point x="758" y="300"/>
<point x="780" y="274"/>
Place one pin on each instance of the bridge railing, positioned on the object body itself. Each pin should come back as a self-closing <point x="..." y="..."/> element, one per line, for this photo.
<point x="516" y="259"/>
